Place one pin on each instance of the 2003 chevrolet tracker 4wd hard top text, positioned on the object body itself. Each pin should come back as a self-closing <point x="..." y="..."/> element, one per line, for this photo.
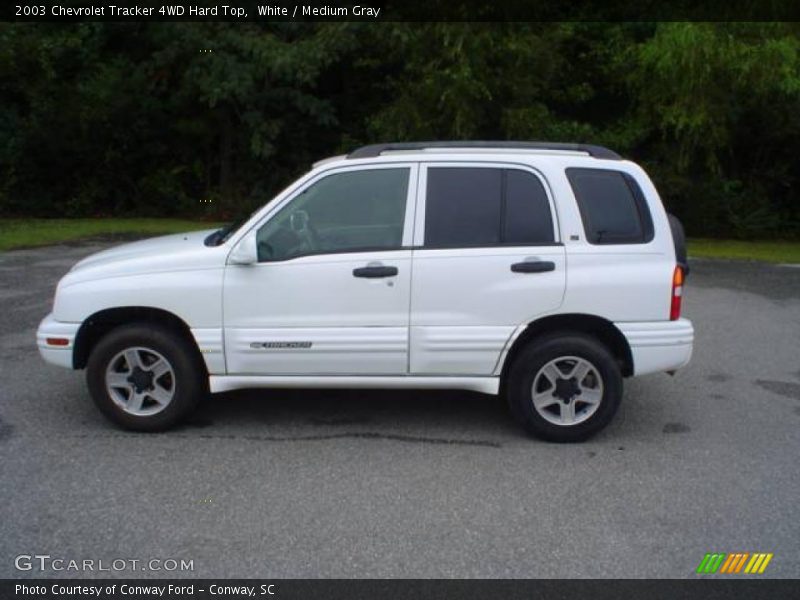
<point x="545" y="272"/>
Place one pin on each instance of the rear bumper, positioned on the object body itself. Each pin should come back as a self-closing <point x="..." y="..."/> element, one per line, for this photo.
<point x="49" y="328"/>
<point x="659" y="346"/>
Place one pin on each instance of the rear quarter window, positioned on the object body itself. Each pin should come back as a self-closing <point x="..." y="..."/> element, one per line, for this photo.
<point x="612" y="206"/>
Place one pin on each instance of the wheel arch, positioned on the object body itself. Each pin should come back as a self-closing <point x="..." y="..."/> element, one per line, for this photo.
<point x="100" y="323"/>
<point x="601" y="329"/>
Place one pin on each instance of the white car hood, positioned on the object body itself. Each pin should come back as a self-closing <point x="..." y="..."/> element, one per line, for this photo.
<point x="170" y="252"/>
<point x="165" y="244"/>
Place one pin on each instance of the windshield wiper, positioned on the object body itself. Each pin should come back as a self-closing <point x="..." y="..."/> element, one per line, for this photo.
<point x="215" y="238"/>
<point x="221" y="235"/>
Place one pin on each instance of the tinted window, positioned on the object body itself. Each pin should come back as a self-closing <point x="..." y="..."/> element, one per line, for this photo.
<point x="612" y="207"/>
<point x="469" y="206"/>
<point x="527" y="214"/>
<point x="341" y="212"/>
<point x="463" y="207"/>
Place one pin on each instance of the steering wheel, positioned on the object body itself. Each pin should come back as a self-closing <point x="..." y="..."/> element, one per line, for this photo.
<point x="311" y="237"/>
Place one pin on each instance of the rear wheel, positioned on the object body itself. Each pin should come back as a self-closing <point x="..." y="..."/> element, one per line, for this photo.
<point x="144" y="378"/>
<point x="564" y="387"/>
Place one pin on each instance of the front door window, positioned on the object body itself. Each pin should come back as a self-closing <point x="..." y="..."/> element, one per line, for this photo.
<point x="343" y="212"/>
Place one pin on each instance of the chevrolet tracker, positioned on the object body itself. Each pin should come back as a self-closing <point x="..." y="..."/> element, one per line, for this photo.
<point x="544" y="272"/>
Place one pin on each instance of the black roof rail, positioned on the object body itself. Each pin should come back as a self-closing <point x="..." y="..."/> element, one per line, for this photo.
<point x="374" y="150"/>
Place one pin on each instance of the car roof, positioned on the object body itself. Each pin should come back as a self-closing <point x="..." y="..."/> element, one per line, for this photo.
<point x="570" y="154"/>
<point x="374" y="150"/>
<point x="556" y="158"/>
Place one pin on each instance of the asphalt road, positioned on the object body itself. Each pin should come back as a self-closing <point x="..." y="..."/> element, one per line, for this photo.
<point x="415" y="484"/>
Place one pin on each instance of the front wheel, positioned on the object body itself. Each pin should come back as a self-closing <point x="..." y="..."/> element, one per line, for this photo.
<point x="144" y="378"/>
<point x="564" y="387"/>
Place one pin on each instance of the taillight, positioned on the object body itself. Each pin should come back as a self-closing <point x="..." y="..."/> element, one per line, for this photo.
<point x="677" y="294"/>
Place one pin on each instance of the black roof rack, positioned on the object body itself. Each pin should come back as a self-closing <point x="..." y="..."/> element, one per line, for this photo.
<point x="376" y="149"/>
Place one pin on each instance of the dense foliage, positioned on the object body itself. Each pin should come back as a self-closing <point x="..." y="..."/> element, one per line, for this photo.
<point x="136" y="119"/>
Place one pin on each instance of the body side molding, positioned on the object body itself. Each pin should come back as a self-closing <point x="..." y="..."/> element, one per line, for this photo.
<point x="224" y="383"/>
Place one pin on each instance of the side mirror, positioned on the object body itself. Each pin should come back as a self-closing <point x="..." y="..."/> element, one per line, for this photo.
<point x="245" y="252"/>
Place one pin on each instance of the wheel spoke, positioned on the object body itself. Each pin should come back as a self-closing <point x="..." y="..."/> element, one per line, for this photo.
<point x="118" y="380"/>
<point x="552" y="373"/>
<point x="567" y="412"/>
<point x="544" y="399"/>
<point x="133" y="359"/>
<point x="590" y="396"/>
<point x="159" y="368"/>
<point x="135" y="401"/>
<point x="580" y="371"/>
<point x="160" y="395"/>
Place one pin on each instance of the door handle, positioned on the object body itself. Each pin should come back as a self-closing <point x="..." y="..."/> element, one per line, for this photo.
<point x="533" y="266"/>
<point x="374" y="272"/>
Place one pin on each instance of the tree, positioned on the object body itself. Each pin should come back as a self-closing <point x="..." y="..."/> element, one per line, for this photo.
<point x="152" y="118"/>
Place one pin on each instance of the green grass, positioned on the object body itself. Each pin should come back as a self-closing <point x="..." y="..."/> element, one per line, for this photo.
<point x="26" y="233"/>
<point x="771" y="251"/>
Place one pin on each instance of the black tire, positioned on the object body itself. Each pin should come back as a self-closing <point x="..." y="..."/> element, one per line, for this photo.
<point x="187" y="387"/>
<point x="534" y="357"/>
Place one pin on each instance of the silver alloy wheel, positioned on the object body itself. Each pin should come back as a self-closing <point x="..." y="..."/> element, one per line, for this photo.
<point x="567" y="390"/>
<point x="140" y="381"/>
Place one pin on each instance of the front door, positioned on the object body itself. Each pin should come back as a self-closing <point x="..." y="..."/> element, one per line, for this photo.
<point x="330" y="293"/>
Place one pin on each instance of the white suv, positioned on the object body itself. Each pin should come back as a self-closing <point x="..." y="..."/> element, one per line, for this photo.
<point x="545" y="272"/>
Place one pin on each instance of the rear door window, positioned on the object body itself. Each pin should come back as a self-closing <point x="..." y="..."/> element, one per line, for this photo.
<point x="527" y="210"/>
<point x="476" y="206"/>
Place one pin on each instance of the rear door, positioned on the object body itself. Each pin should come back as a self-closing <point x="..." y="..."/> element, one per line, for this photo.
<point x="487" y="258"/>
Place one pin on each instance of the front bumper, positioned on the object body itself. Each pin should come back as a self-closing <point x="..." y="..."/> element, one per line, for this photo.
<point x="659" y="346"/>
<point x="56" y="353"/>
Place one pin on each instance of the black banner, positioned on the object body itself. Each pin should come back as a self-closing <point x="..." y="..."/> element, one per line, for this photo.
<point x="410" y="10"/>
<point x="418" y="589"/>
